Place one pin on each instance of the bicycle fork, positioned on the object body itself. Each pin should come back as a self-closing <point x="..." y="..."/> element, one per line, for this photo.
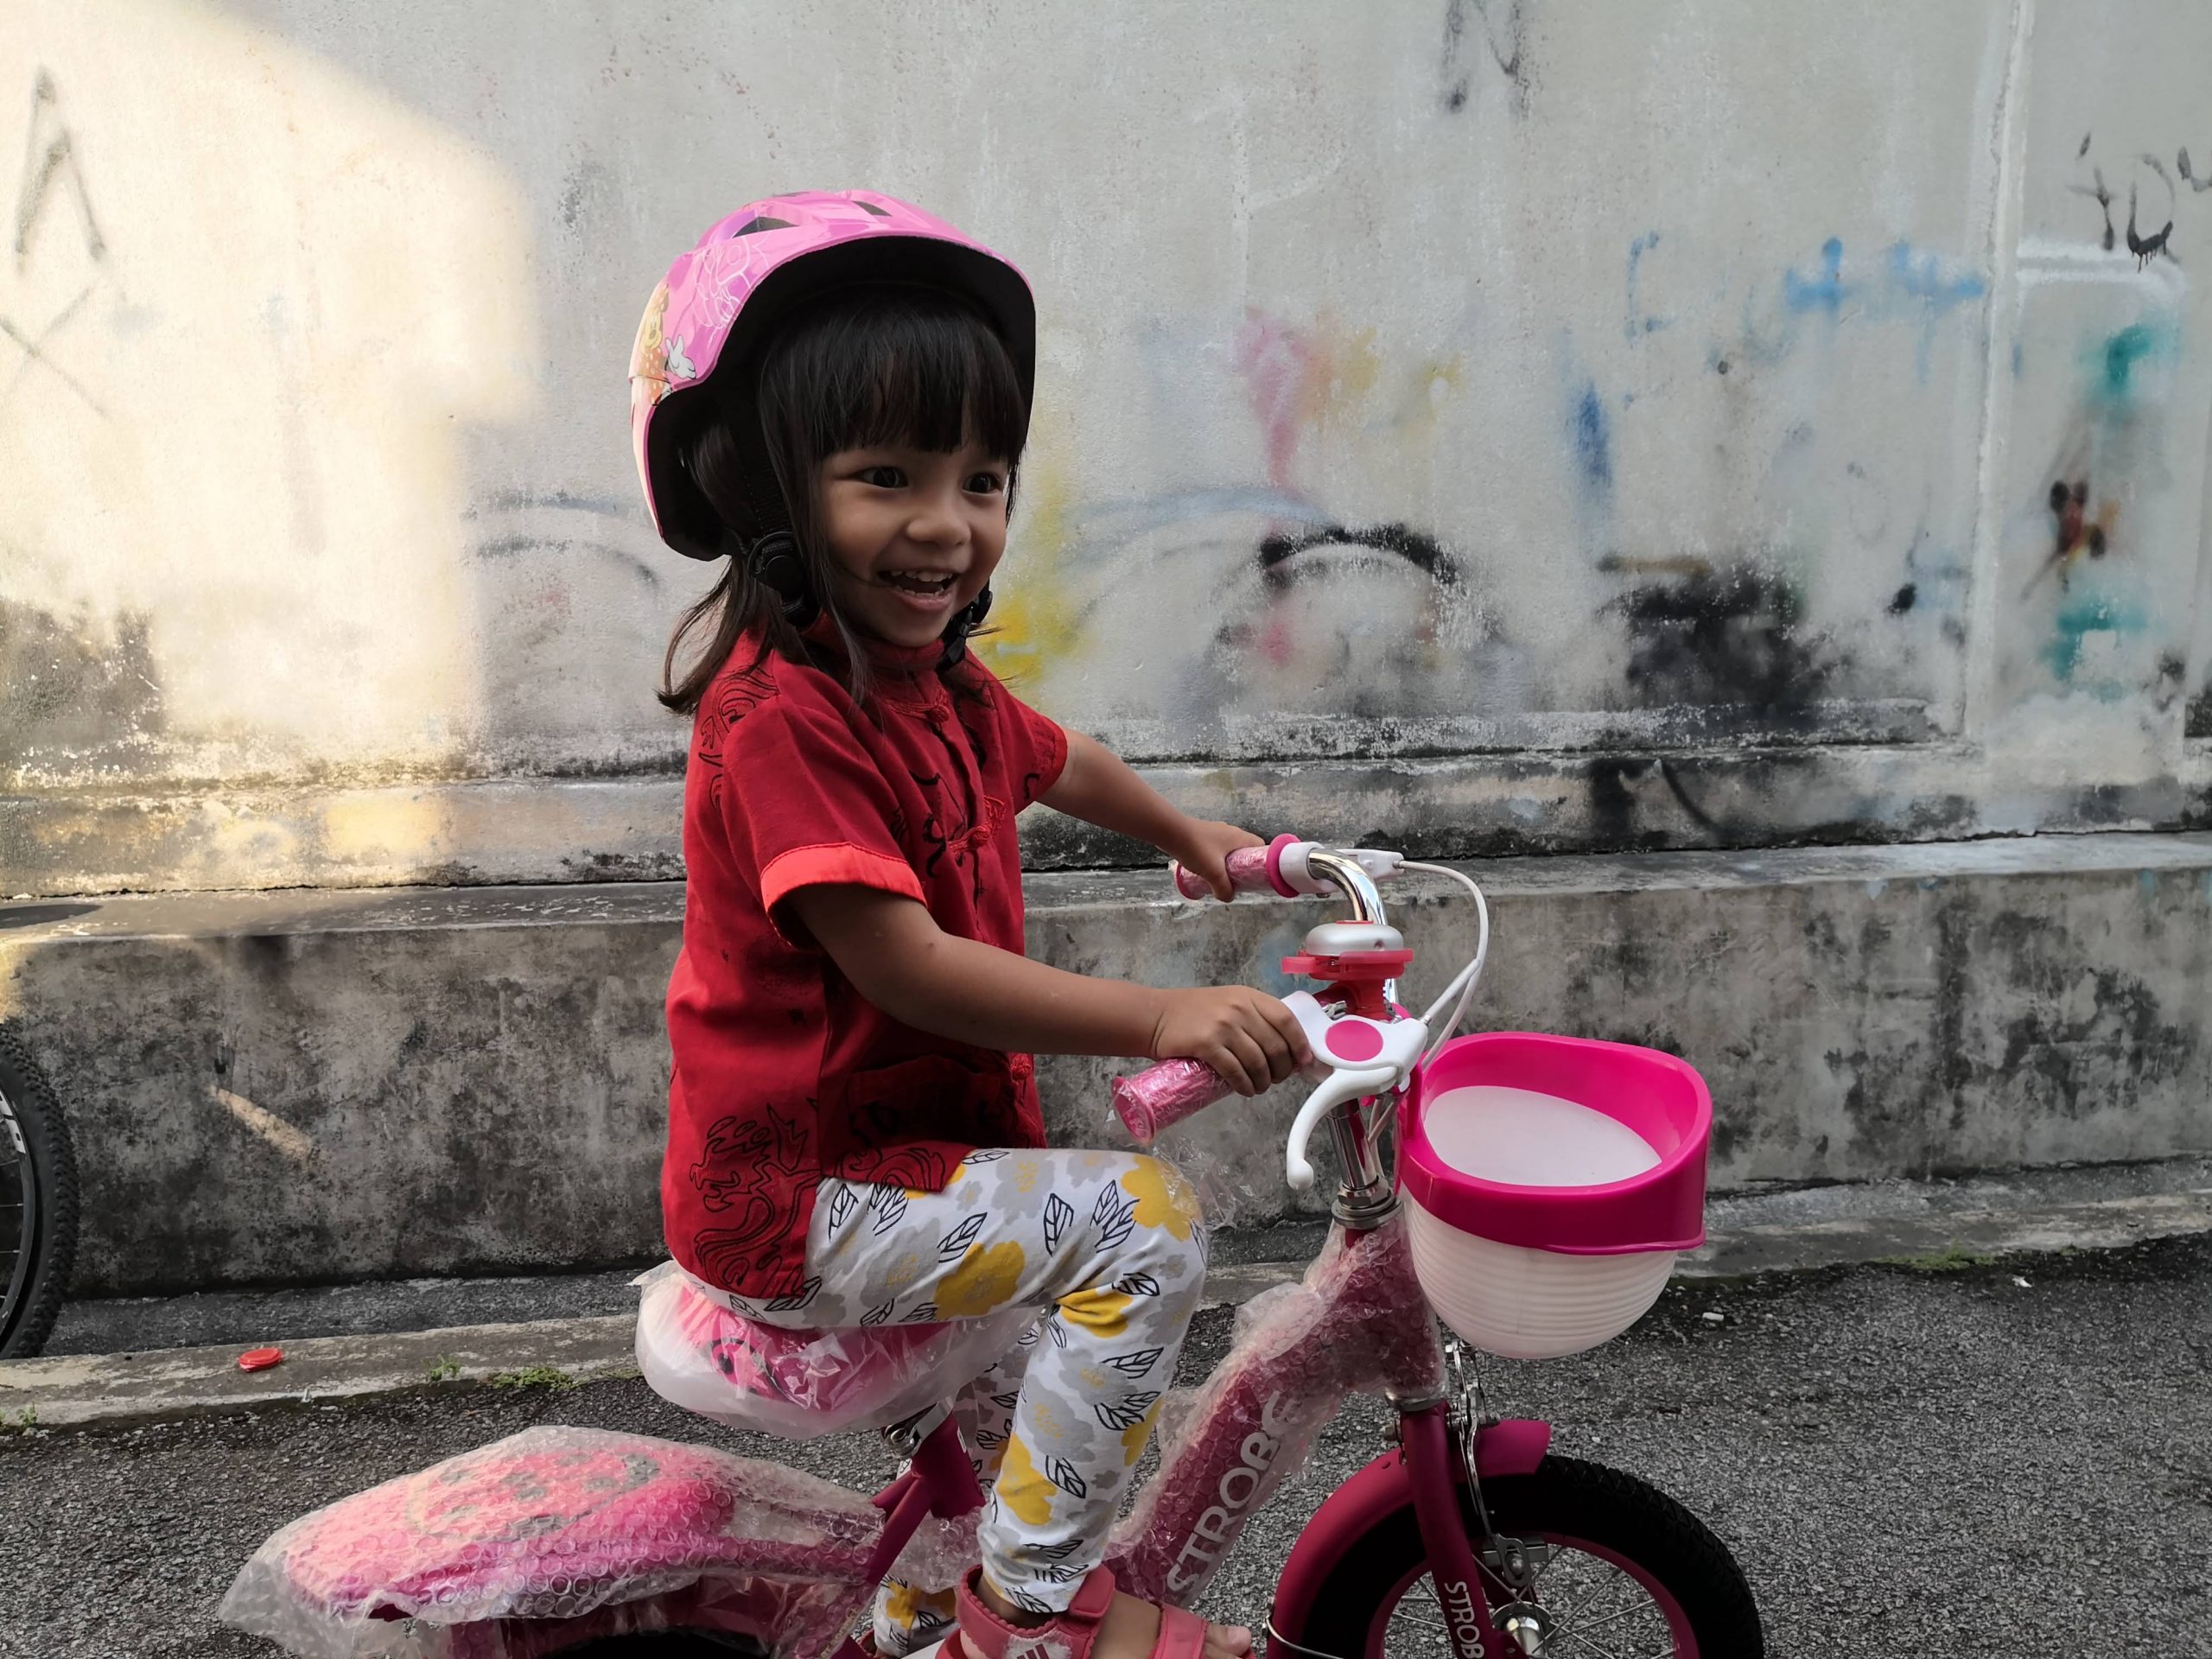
<point x="1439" y="1450"/>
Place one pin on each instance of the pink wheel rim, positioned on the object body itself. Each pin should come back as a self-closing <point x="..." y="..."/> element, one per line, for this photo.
<point x="1678" y="1623"/>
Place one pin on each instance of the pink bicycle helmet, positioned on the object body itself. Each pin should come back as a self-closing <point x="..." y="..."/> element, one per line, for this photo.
<point x="720" y="304"/>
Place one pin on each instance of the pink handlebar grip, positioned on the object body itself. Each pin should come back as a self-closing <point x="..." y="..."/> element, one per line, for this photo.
<point x="1247" y="873"/>
<point x="1165" y="1094"/>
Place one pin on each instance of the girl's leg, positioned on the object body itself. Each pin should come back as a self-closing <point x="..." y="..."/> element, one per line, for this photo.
<point x="1110" y="1246"/>
<point x="906" y="1618"/>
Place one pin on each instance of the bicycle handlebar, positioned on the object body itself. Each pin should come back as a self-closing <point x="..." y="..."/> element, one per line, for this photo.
<point x="1166" y="1094"/>
<point x="1281" y="866"/>
<point x="1247" y="873"/>
<point x="1350" y="1063"/>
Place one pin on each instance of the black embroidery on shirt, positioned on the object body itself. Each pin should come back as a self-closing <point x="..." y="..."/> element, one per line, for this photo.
<point x="741" y="1167"/>
<point x="728" y="700"/>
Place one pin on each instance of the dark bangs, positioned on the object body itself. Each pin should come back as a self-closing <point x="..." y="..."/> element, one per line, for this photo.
<point x="894" y="366"/>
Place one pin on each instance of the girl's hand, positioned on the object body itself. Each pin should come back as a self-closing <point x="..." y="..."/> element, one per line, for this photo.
<point x="1204" y="847"/>
<point x="1248" y="1037"/>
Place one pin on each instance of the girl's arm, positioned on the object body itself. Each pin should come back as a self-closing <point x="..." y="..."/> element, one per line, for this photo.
<point x="899" y="959"/>
<point x="1097" y="786"/>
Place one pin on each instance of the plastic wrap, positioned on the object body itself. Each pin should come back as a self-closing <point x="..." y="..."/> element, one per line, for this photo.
<point x="697" y="1353"/>
<point x="1358" y="1322"/>
<point x="534" y="1542"/>
<point x="1165" y="1094"/>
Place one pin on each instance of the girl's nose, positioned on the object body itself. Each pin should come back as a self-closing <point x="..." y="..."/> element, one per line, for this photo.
<point x="937" y="522"/>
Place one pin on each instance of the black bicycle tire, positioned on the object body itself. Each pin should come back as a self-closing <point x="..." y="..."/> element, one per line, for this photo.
<point x="36" y="1108"/>
<point x="1572" y="1498"/>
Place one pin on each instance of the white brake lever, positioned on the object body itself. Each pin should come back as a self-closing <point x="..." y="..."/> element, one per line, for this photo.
<point x="1347" y="1084"/>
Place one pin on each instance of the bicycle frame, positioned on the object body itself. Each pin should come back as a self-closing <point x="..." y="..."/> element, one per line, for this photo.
<point x="1359" y="1322"/>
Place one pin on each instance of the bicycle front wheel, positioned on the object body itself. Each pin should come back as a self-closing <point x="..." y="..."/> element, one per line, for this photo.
<point x="38" y="1203"/>
<point x="1615" y="1566"/>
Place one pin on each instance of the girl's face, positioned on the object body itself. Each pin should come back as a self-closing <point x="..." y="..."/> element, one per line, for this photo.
<point x="914" y="535"/>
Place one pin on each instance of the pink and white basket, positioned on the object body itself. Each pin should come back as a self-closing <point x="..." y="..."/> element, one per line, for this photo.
<point x="1549" y="1183"/>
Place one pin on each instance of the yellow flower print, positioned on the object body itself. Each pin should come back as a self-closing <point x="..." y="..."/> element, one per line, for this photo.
<point x="1024" y="1175"/>
<point x="903" y="1271"/>
<point x="1163" y="1197"/>
<point x="1024" y="1491"/>
<point x="1135" y="1436"/>
<point x="986" y="1279"/>
<point x="906" y="1606"/>
<point x="1103" y="1313"/>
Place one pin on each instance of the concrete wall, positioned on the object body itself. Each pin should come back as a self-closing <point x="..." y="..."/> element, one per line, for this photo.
<point x="1485" y="424"/>
<point x="311" y="1086"/>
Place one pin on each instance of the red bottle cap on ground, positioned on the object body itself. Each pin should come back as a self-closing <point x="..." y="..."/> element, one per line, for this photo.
<point x="260" y="1359"/>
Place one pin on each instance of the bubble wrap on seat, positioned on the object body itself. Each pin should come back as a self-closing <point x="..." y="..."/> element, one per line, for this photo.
<point x="534" y="1542"/>
<point x="796" y="1384"/>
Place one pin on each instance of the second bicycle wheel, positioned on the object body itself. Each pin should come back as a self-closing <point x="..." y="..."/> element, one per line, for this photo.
<point x="38" y="1203"/>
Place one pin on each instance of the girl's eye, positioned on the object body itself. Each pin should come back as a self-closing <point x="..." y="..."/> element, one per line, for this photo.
<point x="883" y="478"/>
<point x="985" y="484"/>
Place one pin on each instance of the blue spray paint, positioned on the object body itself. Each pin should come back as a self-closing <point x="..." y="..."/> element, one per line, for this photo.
<point x="1916" y="284"/>
<point x="1920" y="281"/>
<point x="2081" y="614"/>
<point x="1825" y="292"/>
<point x="2132" y="345"/>
<point x="1636" y="323"/>
<point x="1592" y="437"/>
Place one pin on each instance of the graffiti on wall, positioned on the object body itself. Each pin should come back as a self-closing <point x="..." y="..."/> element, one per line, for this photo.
<point x="2090" y="577"/>
<point x="2145" y="245"/>
<point x="1500" y="32"/>
<point x="51" y="187"/>
<point x="1701" y="634"/>
<point x="1296" y="609"/>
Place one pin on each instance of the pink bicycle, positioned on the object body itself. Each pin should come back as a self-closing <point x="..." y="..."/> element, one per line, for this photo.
<point x="1543" y="1188"/>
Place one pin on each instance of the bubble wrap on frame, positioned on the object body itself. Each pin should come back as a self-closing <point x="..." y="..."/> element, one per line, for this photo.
<point x="1358" y="1322"/>
<point x="536" y="1542"/>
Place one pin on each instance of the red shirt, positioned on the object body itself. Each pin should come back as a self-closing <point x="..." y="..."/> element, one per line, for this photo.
<point x="783" y="1072"/>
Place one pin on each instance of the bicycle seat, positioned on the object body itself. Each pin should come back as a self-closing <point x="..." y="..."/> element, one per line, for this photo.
<point x="698" y="1353"/>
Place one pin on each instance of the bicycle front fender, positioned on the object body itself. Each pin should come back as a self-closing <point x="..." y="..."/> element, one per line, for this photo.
<point x="1372" y="1497"/>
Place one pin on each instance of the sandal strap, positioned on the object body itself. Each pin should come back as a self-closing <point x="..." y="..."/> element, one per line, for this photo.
<point x="1182" y="1635"/>
<point x="1065" y="1635"/>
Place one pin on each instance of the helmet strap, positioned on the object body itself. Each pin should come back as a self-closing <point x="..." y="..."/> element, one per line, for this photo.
<point x="774" y="562"/>
<point x="965" y="620"/>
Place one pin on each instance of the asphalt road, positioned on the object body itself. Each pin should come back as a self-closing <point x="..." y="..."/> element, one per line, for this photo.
<point x="1906" y="1462"/>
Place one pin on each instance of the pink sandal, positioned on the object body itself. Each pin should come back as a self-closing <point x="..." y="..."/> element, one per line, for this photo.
<point x="1068" y="1635"/>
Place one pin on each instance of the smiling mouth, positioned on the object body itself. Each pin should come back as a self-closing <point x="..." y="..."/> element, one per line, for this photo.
<point x="923" y="583"/>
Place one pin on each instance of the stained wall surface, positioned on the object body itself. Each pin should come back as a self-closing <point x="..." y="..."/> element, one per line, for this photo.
<point x="1482" y="424"/>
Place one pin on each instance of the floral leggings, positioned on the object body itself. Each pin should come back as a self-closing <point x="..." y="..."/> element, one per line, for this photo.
<point x="1110" y="1248"/>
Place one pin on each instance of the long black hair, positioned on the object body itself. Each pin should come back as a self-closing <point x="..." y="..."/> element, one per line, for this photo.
<point x="863" y="366"/>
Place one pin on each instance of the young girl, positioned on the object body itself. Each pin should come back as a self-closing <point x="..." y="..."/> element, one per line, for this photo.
<point x="832" y="392"/>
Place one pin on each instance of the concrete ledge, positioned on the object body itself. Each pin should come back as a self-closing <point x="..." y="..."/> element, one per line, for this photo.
<point x="1621" y="782"/>
<point x="290" y="1087"/>
<point x="1931" y="1228"/>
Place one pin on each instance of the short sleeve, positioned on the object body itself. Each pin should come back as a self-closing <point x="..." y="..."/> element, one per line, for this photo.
<point x="811" y="803"/>
<point x="1036" y="747"/>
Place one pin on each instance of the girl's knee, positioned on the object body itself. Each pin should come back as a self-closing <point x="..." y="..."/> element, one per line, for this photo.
<point x="1166" y="1224"/>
